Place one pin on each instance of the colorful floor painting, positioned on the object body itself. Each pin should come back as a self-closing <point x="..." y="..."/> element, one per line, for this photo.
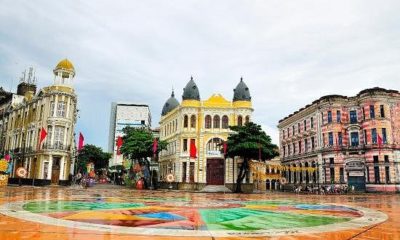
<point x="184" y="216"/>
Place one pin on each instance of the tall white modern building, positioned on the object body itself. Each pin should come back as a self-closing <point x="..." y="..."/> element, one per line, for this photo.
<point x="125" y="114"/>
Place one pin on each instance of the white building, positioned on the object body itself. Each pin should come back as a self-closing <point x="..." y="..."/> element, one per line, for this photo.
<point x="122" y="115"/>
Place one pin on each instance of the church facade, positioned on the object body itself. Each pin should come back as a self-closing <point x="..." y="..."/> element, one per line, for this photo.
<point x="195" y="130"/>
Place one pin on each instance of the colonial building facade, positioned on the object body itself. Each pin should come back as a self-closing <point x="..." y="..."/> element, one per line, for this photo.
<point x="201" y="126"/>
<point x="350" y="140"/>
<point x="53" y="109"/>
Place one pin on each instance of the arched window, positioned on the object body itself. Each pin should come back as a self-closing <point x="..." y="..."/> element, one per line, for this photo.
<point x="225" y="122"/>
<point x="247" y="119"/>
<point x="193" y="121"/>
<point x="216" y="122"/>
<point x="208" y="122"/>
<point x="176" y="125"/>
<point x="185" y="121"/>
<point x="240" y="121"/>
<point x="214" y="146"/>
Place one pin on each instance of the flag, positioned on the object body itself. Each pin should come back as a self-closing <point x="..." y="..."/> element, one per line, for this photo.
<point x="43" y="135"/>
<point x="119" y="144"/>
<point x="380" y="142"/>
<point x="155" y="146"/>
<point x="193" y="150"/>
<point x="81" y="141"/>
<point x="225" y="147"/>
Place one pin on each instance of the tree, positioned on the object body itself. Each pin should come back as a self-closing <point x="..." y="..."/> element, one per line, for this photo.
<point x="249" y="142"/>
<point x="91" y="153"/>
<point x="138" y="147"/>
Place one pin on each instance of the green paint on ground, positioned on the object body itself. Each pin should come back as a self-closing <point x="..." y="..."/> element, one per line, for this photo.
<point x="249" y="220"/>
<point x="64" y="206"/>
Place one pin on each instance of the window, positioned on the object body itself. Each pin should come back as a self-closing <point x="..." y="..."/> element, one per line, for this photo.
<point x="371" y="111"/>
<point x="305" y="125"/>
<point x="225" y="122"/>
<point x="387" y="174"/>
<point x="193" y="121"/>
<point x="298" y="127"/>
<point x="312" y="122"/>
<point x="284" y="150"/>
<point x="354" y="139"/>
<point x="288" y="150"/>
<point x="384" y="139"/>
<point x="240" y="121"/>
<point x="332" y="173"/>
<point x="58" y="137"/>
<point x="216" y="122"/>
<point x="299" y="146"/>
<point x="247" y="119"/>
<point x="386" y="158"/>
<point x="312" y="143"/>
<point x="305" y="145"/>
<point x="374" y="137"/>
<point x="185" y="145"/>
<point x="353" y="116"/>
<point x="52" y="108"/>
<point x="293" y="130"/>
<point x="214" y="145"/>
<point x="341" y="175"/>
<point x="288" y="132"/>
<point x="283" y="134"/>
<point x="338" y="116"/>
<point x="365" y="137"/>
<point x="61" y="109"/>
<point x="382" y="110"/>
<point x="376" y="169"/>
<point x="294" y="148"/>
<point x="323" y="139"/>
<point x="329" y="116"/>
<point x="185" y="121"/>
<point x="367" y="173"/>
<point x="331" y="161"/>
<point x="340" y="140"/>
<point x="208" y="122"/>
<point x="184" y="168"/>
<point x="330" y="136"/>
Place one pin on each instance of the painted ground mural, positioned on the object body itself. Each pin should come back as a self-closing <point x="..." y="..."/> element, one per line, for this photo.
<point x="186" y="217"/>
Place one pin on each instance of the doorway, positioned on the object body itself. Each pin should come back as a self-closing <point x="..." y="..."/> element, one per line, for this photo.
<point x="55" y="170"/>
<point x="215" y="172"/>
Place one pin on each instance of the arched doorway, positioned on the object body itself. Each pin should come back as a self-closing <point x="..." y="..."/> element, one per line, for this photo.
<point x="215" y="172"/>
<point x="268" y="185"/>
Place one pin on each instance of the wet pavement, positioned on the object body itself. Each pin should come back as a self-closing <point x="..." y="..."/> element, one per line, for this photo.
<point x="109" y="212"/>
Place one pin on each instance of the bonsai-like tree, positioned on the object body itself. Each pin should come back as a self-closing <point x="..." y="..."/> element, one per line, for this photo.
<point x="249" y="142"/>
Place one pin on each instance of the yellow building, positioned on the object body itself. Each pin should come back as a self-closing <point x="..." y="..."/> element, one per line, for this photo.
<point x="205" y="125"/>
<point x="53" y="109"/>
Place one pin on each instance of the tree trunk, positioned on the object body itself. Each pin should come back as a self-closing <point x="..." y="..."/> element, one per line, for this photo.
<point x="242" y="174"/>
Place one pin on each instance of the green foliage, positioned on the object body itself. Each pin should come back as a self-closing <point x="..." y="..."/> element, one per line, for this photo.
<point x="92" y="153"/>
<point x="248" y="140"/>
<point x="138" y="143"/>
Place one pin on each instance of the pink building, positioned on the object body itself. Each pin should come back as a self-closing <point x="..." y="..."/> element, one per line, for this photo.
<point x="350" y="140"/>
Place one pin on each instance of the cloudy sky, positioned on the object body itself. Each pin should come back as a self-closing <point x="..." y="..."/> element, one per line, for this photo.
<point x="288" y="52"/>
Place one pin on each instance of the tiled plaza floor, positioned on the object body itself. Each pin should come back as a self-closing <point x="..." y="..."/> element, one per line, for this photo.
<point x="117" y="213"/>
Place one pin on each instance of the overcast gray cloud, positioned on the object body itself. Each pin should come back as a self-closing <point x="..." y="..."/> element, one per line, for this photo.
<point x="289" y="52"/>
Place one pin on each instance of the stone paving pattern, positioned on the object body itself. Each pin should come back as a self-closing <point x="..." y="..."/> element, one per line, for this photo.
<point x="207" y="211"/>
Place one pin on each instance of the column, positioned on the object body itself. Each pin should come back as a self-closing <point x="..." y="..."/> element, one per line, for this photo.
<point x="61" y="176"/>
<point x="50" y="167"/>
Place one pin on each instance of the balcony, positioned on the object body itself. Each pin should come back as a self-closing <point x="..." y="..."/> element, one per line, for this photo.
<point x="57" y="147"/>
